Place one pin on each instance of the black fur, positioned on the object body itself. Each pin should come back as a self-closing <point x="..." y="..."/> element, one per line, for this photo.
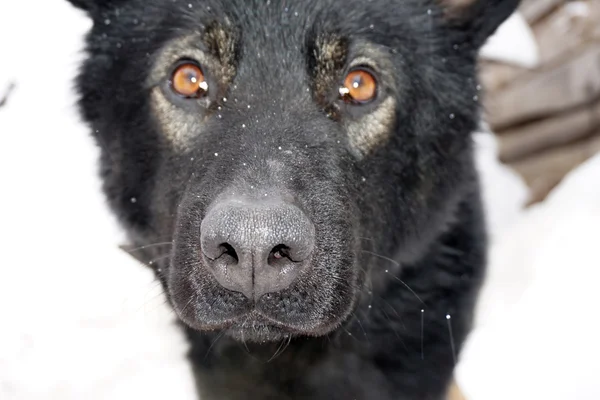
<point x="400" y="231"/>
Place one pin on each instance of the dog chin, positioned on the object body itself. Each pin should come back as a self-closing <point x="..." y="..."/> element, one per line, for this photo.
<point x="256" y="328"/>
<point x="259" y="333"/>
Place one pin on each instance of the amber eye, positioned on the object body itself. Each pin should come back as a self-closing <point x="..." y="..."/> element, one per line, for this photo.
<point x="360" y="86"/>
<point x="188" y="80"/>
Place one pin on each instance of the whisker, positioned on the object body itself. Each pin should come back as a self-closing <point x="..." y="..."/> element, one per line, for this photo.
<point x="276" y="354"/>
<point x="390" y="306"/>
<point x="219" y="336"/>
<point x="147" y="246"/>
<point x="394" y="329"/>
<point x="409" y="288"/>
<point x="363" y="330"/>
<point x="396" y="263"/>
<point x="400" y="319"/>
<point x="159" y="258"/>
<point x="393" y="276"/>
<point x="349" y="333"/>
<point x="355" y="317"/>
<point x="243" y="338"/>
<point x="368" y="285"/>
<point x="287" y="345"/>
<point x="192" y="298"/>
<point x="422" y="332"/>
<point x="145" y="305"/>
<point x="448" y="318"/>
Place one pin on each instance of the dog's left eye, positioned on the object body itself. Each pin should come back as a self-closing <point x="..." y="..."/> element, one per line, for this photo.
<point x="360" y="87"/>
<point x="189" y="81"/>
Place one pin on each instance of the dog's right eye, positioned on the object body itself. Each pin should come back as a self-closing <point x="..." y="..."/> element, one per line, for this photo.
<point x="189" y="81"/>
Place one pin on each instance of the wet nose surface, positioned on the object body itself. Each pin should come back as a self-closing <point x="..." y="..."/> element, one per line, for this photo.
<point x="256" y="247"/>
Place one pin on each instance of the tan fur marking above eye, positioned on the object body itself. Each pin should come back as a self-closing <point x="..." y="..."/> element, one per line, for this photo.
<point x="221" y="43"/>
<point x="374" y="129"/>
<point x="330" y="56"/>
<point x="455" y="9"/>
<point x="458" y="3"/>
<point x="187" y="47"/>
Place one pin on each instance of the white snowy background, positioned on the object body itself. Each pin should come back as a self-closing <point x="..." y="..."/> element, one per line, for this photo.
<point x="80" y="319"/>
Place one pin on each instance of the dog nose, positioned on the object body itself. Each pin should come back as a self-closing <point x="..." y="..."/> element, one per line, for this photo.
<point x="256" y="248"/>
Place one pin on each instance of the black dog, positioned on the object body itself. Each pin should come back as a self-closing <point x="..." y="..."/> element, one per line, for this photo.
<point x="300" y="176"/>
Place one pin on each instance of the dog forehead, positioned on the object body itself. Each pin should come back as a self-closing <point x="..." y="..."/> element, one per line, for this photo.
<point x="284" y="35"/>
<point x="291" y="21"/>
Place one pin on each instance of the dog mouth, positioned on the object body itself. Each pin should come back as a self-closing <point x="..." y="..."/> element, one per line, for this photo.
<point x="255" y="326"/>
<point x="301" y="310"/>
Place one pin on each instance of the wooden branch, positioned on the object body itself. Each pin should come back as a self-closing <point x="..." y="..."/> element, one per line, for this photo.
<point x="523" y="140"/>
<point x="495" y="76"/>
<point x="543" y="186"/>
<point x="564" y="31"/>
<point x="569" y="27"/>
<point x="547" y="91"/>
<point x="545" y="170"/>
<point x="534" y="10"/>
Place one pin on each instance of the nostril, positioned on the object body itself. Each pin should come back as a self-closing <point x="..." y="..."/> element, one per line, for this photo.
<point x="227" y="250"/>
<point x="279" y="254"/>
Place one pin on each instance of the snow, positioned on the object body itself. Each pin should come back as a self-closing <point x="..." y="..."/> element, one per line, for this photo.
<point x="522" y="51"/>
<point x="82" y="320"/>
<point x="537" y="334"/>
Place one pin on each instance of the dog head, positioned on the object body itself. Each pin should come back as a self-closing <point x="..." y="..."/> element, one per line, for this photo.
<point x="278" y="148"/>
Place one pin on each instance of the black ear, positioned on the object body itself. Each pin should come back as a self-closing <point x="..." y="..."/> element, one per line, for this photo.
<point x="476" y="20"/>
<point x="93" y="7"/>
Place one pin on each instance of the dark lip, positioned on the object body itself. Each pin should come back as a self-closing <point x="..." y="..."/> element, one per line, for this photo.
<point x="254" y="316"/>
<point x="256" y="327"/>
<point x="269" y="329"/>
<point x="240" y="321"/>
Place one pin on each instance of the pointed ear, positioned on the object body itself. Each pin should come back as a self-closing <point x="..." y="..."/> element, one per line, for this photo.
<point x="476" y="20"/>
<point x="93" y="7"/>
